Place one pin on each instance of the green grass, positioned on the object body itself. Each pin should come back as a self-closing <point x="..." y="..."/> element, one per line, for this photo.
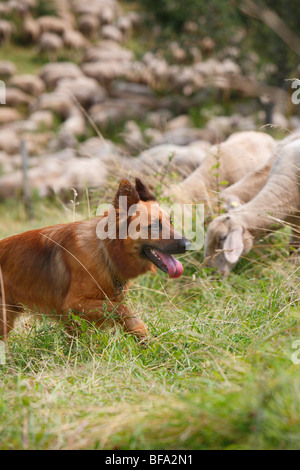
<point x="26" y="59"/>
<point x="218" y="374"/>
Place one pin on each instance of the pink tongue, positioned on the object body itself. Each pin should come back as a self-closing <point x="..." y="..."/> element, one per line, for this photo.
<point x="175" y="268"/>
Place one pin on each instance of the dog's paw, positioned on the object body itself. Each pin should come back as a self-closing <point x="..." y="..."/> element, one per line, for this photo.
<point x="145" y="341"/>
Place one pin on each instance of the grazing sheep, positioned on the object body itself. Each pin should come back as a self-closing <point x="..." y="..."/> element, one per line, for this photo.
<point x="74" y="125"/>
<point x="56" y="175"/>
<point x="7" y="69"/>
<point x="224" y="165"/>
<point x="5" y="9"/>
<point x="231" y="235"/>
<point x="183" y="159"/>
<point x="86" y="90"/>
<point x="52" y="24"/>
<point x="107" y="51"/>
<point x="117" y="111"/>
<point x="111" y="33"/>
<point x="124" y="24"/>
<point x="50" y="43"/>
<point x="36" y="141"/>
<point x="30" y="84"/>
<point x="15" y="97"/>
<point x="80" y="173"/>
<point x="9" y="141"/>
<point x="56" y="102"/>
<point x="51" y="73"/>
<point x="31" y="28"/>
<point x="82" y="8"/>
<point x="105" y="72"/>
<point x="42" y="119"/>
<point x="106" y="15"/>
<point x="6" y="29"/>
<point x="89" y="25"/>
<point x="74" y="40"/>
<point x="249" y="186"/>
<point x="8" y="115"/>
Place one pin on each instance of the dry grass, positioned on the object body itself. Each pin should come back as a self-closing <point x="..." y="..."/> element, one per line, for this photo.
<point x="218" y="373"/>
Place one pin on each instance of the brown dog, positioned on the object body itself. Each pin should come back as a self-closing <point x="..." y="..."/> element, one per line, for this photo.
<point x="67" y="267"/>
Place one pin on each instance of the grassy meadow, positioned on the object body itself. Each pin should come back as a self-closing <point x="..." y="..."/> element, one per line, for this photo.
<point x="218" y="374"/>
<point x="221" y="371"/>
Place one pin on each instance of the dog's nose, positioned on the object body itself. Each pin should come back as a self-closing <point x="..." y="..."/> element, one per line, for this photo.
<point x="184" y="244"/>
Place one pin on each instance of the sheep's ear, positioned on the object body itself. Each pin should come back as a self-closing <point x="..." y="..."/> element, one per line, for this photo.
<point x="233" y="245"/>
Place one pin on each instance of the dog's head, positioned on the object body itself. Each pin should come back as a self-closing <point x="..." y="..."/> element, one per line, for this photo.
<point x="146" y="230"/>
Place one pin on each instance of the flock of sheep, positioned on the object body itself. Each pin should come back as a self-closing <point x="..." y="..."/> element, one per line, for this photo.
<point x="252" y="177"/>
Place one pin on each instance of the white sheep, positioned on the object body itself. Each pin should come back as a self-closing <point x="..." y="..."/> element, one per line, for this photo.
<point x="74" y="40"/>
<point x="224" y="165"/>
<point x="53" y="72"/>
<point x="50" y="43"/>
<point x="9" y="141"/>
<point x="106" y="15"/>
<point x="124" y="24"/>
<point x="8" y="115"/>
<point x="59" y="103"/>
<point x="6" y="29"/>
<point x="105" y="72"/>
<point x="28" y="83"/>
<point x="107" y="51"/>
<point x="183" y="159"/>
<point x="44" y="119"/>
<point x="89" y="25"/>
<point x="74" y="125"/>
<point x="7" y="68"/>
<point x="31" y="28"/>
<point x="85" y="90"/>
<point x="112" y="33"/>
<point x="56" y="175"/>
<point x="53" y="24"/>
<point x="249" y="186"/>
<point x="16" y="97"/>
<point x="231" y="235"/>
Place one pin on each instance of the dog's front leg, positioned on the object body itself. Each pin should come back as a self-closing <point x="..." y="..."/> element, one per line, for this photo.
<point x="105" y="312"/>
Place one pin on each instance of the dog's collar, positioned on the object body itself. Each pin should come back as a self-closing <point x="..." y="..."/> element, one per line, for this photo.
<point x="118" y="286"/>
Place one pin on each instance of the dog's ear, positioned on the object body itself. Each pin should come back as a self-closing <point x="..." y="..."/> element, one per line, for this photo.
<point x="128" y="191"/>
<point x="143" y="191"/>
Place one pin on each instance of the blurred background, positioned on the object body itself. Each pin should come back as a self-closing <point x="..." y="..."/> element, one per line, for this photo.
<point x="98" y="90"/>
<point x="91" y="87"/>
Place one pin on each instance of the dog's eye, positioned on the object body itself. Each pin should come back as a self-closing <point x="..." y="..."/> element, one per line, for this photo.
<point x="155" y="226"/>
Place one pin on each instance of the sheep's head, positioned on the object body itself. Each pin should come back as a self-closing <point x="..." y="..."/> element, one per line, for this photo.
<point x="226" y="240"/>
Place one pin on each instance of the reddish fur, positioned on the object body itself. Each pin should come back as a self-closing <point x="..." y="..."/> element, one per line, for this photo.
<point x="63" y="267"/>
